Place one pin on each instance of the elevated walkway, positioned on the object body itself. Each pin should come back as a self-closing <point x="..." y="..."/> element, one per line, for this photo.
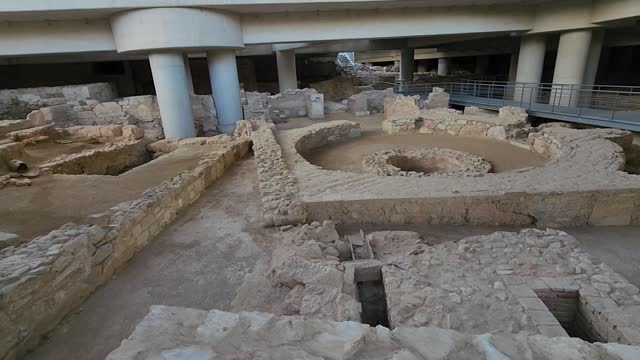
<point x="598" y="105"/>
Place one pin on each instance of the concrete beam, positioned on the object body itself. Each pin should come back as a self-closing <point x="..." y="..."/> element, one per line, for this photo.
<point x="373" y="24"/>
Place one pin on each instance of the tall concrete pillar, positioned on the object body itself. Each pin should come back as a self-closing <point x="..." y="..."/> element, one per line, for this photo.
<point x="513" y="67"/>
<point x="443" y="67"/>
<point x="172" y="91"/>
<point x="530" y="65"/>
<point x="406" y="64"/>
<point x="287" y="76"/>
<point x="571" y="63"/>
<point x="591" y="69"/>
<point x="223" y="73"/>
<point x="187" y="67"/>
<point x="593" y="59"/>
<point x="482" y="64"/>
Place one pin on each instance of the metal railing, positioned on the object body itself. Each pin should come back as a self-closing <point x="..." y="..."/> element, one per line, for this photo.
<point x="602" y="105"/>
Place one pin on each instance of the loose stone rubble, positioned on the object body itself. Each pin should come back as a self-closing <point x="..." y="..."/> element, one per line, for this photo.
<point x="431" y="162"/>
<point x="488" y="283"/>
<point x="44" y="279"/>
<point x="174" y="332"/>
<point x="310" y="267"/>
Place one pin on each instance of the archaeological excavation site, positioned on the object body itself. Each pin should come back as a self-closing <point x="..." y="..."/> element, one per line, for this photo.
<point x="309" y="180"/>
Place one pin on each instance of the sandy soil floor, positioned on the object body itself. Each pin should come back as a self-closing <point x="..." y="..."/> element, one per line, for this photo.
<point x="44" y="151"/>
<point x="348" y="156"/>
<point x="214" y="256"/>
<point x="53" y="200"/>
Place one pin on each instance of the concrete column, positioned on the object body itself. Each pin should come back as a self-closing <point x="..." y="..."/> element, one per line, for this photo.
<point x="591" y="69"/>
<point x="406" y="64"/>
<point x="287" y="76"/>
<point x="187" y="67"/>
<point x="571" y="63"/>
<point x="482" y="64"/>
<point x="513" y="67"/>
<point x="530" y="65"/>
<point x="593" y="58"/>
<point x="443" y="67"/>
<point x="223" y="73"/>
<point x="172" y="91"/>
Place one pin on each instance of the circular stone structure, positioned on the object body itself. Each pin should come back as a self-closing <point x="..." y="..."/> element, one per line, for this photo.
<point x="425" y="162"/>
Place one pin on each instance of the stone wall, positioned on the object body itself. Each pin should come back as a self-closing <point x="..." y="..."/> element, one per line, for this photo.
<point x="549" y="195"/>
<point x="142" y="111"/>
<point x="549" y="209"/>
<point x="186" y="333"/>
<point x="403" y="115"/>
<point x="326" y="133"/>
<point x="108" y="159"/>
<point x="17" y="103"/>
<point x="280" y="204"/>
<point x="291" y="103"/>
<point x="45" y="279"/>
<point x="369" y="102"/>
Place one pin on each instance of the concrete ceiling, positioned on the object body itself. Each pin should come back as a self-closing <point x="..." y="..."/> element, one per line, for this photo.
<point x="30" y="10"/>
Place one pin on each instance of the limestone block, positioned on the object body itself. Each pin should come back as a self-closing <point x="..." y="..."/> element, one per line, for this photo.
<point x="402" y="107"/>
<point x="108" y="109"/>
<point x="332" y="106"/>
<point x="315" y="106"/>
<point x="438" y="98"/>
<point x="243" y="129"/>
<point x="36" y="118"/>
<point x="474" y="110"/>
<point x="513" y="114"/>
<point x="497" y="132"/>
<point x="132" y="132"/>
<point x="357" y="105"/>
<point x="20" y="135"/>
<point x="58" y="114"/>
<point x="291" y="103"/>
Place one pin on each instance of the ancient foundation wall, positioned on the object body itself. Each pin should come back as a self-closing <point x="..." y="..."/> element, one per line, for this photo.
<point x="608" y="196"/>
<point x="142" y="111"/>
<point x="48" y="277"/>
<point x="108" y="159"/>
<point x="277" y="186"/>
<point x="17" y="103"/>
<point x="605" y="207"/>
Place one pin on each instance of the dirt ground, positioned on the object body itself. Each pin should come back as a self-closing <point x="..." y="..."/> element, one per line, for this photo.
<point x="348" y="156"/>
<point x="42" y="152"/>
<point x="53" y="200"/>
<point x="214" y="256"/>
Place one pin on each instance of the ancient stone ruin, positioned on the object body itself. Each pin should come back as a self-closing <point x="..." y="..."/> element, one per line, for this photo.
<point x="351" y="224"/>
